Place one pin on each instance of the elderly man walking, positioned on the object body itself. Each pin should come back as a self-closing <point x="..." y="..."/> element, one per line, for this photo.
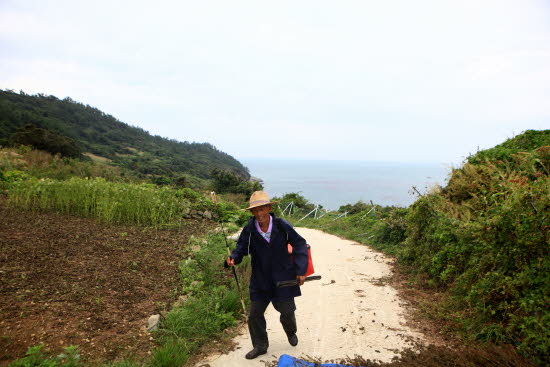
<point x="265" y="239"/>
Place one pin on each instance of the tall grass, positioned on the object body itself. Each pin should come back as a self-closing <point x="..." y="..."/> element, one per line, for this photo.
<point x="125" y="203"/>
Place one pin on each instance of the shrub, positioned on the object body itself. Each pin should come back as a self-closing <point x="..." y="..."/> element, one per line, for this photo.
<point x="36" y="357"/>
<point x="47" y="140"/>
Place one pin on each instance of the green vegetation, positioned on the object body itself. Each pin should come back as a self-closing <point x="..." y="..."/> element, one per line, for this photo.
<point x="36" y="357"/>
<point x="35" y="180"/>
<point x="25" y="162"/>
<point x="484" y="239"/>
<point x="212" y="302"/>
<point x="46" y="140"/>
<point x="125" y="203"/>
<point x="68" y="127"/>
<point x="229" y="182"/>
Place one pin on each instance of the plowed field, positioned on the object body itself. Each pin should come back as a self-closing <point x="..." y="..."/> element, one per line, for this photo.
<point x="75" y="281"/>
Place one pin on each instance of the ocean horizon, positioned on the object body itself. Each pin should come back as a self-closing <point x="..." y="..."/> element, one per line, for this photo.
<point x="336" y="183"/>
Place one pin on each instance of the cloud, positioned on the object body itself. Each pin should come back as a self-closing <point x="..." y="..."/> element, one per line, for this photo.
<point x="362" y="80"/>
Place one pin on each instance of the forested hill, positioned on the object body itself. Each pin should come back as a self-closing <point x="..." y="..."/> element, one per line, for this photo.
<point x="85" y="129"/>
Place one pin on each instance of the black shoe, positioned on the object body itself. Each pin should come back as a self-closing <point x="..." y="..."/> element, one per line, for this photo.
<point x="293" y="340"/>
<point x="254" y="353"/>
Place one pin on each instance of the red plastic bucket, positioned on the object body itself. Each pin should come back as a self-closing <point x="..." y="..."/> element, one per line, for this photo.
<point x="310" y="269"/>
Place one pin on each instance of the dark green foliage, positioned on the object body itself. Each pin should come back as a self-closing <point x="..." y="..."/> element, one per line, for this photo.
<point x="229" y="182"/>
<point x="484" y="239"/>
<point x="103" y="135"/>
<point x="527" y="141"/>
<point x="299" y="202"/>
<point x="36" y="357"/>
<point x="354" y="208"/>
<point x="44" y="139"/>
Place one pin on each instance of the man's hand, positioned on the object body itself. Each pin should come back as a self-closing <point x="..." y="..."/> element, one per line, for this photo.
<point x="301" y="279"/>
<point x="230" y="262"/>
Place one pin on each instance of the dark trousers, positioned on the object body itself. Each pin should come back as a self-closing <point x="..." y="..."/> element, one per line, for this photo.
<point x="257" y="324"/>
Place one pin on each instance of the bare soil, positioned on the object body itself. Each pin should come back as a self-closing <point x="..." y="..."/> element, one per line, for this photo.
<point x="75" y="281"/>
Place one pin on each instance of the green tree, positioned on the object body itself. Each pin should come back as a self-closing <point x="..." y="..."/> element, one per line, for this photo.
<point x="44" y="139"/>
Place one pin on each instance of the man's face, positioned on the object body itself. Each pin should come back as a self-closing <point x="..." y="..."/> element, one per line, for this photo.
<point x="261" y="213"/>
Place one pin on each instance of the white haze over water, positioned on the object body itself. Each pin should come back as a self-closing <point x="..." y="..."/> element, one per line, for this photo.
<point x="336" y="183"/>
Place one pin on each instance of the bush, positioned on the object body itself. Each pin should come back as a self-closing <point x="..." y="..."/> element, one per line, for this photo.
<point x="229" y="182"/>
<point x="483" y="239"/>
<point x="36" y="357"/>
<point x="47" y="140"/>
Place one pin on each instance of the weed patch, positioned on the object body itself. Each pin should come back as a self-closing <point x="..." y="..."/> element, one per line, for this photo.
<point x="212" y="302"/>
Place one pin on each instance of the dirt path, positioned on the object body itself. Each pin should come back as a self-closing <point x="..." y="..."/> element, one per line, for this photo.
<point x="350" y="312"/>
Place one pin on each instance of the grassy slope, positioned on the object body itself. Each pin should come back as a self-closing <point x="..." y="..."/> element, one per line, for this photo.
<point x="103" y="135"/>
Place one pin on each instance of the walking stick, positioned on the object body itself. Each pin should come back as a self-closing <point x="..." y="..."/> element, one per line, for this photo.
<point x="214" y="199"/>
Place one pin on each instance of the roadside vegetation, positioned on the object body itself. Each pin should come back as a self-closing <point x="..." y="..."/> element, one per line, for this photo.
<point x="483" y="240"/>
<point x="210" y="302"/>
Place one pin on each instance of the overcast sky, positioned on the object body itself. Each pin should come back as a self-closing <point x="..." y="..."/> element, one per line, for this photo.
<point x="413" y="81"/>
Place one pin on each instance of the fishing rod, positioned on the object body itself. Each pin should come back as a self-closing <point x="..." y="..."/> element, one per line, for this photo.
<point x="214" y="199"/>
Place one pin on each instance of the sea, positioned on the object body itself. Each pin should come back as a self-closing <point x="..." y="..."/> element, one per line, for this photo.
<point x="336" y="183"/>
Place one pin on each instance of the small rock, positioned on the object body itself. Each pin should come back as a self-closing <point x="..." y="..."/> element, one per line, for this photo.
<point x="153" y="322"/>
<point x="207" y="214"/>
<point x="234" y="237"/>
<point x="181" y="300"/>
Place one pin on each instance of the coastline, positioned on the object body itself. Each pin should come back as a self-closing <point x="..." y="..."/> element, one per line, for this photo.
<point x="335" y="183"/>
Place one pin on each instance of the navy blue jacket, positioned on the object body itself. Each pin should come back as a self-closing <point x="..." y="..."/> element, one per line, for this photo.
<point x="271" y="262"/>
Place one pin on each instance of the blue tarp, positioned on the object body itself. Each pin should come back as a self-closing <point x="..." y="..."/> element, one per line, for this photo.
<point x="287" y="361"/>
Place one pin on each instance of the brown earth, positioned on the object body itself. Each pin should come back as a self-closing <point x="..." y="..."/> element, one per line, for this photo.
<point x="75" y="281"/>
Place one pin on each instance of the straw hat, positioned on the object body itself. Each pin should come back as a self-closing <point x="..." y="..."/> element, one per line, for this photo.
<point x="259" y="198"/>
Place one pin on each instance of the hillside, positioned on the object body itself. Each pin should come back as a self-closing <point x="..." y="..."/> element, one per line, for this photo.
<point x="98" y="135"/>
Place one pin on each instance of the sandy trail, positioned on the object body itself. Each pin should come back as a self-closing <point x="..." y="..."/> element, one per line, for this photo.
<point x="349" y="312"/>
